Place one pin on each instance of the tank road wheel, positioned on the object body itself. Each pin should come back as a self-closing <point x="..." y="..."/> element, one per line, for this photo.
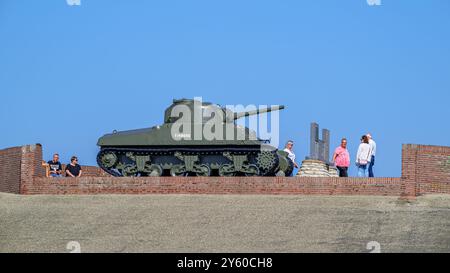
<point x="129" y="170"/>
<point x="203" y="170"/>
<point x="154" y="170"/>
<point x="178" y="170"/>
<point x="251" y="170"/>
<point x="226" y="170"/>
<point x="267" y="162"/>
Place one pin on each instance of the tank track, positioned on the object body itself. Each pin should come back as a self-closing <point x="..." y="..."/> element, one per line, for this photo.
<point x="290" y="169"/>
<point x="182" y="161"/>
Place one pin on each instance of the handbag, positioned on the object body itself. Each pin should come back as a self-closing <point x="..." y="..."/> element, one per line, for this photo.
<point x="363" y="162"/>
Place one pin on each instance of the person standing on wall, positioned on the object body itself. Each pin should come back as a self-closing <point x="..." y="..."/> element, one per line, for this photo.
<point x="341" y="158"/>
<point x="289" y="149"/>
<point x="363" y="157"/>
<point x="73" y="169"/>
<point x="373" y="147"/>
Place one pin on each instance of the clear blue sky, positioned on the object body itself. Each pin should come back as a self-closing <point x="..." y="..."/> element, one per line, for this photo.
<point x="69" y="74"/>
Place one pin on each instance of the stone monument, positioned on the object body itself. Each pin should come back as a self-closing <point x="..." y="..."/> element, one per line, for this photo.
<point x="318" y="164"/>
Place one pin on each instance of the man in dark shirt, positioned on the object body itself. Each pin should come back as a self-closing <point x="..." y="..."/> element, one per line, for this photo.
<point x="55" y="167"/>
<point x="73" y="169"/>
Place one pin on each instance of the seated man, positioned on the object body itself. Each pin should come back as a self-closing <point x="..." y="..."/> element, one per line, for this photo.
<point x="55" y="167"/>
<point x="73" y="169"/>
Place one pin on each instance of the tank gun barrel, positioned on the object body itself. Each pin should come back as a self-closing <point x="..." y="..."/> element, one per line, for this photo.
<point x="258" y="111"/>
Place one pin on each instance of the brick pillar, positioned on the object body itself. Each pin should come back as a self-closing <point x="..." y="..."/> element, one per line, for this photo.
<point x="31" y="166"/>
<point x="10" y="170"/>
<point x="409" y="171"/>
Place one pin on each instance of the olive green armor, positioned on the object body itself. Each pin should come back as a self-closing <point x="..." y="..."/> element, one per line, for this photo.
<point x="197" y="138"/>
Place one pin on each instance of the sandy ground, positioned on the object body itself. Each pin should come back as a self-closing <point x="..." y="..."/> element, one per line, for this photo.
<point x="223" y="223"/>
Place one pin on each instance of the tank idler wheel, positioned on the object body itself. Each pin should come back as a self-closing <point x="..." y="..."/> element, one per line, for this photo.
<point x="155" y="170"/>
<point x="251" y="170"/>
<point x="178" y="170"/>
<point x="203" y="170"/>
<point x="108" y="159"/>
<point x="226" y="170"/>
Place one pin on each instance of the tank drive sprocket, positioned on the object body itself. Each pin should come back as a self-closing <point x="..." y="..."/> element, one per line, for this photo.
<point x="267" y="161"/>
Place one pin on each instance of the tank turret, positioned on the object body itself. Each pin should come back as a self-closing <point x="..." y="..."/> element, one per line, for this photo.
<point x="196" y="106"/>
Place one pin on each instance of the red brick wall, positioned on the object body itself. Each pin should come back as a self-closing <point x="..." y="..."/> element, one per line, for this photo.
<point x="10" y="169"/>
<point x="425" y="169"/>
<point x="21" y="165"/>
<point x="90" y="171"/>
<point x="30" y="165"/>
<point x="218" y="185"/>
<point x="428" y="167"/>
<point x="18" y="166"/>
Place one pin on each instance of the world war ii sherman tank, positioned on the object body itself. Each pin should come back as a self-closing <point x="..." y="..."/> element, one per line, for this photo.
<point x="197" y="138"/>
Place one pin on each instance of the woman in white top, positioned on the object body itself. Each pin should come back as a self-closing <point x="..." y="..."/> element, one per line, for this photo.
<point x="291" y="155"/>
<point x="363" y="157"/>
